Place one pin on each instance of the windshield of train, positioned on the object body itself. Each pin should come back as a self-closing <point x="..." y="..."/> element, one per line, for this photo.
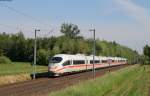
<point x="55" y="60"/>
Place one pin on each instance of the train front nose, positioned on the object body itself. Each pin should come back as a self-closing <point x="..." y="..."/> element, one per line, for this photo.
<point x="52" y="68"/>
<point x="51" y="71"/>
<point x="49" y="68"/>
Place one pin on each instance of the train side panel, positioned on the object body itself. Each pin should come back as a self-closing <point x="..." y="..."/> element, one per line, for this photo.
<point x="76" y="63"/>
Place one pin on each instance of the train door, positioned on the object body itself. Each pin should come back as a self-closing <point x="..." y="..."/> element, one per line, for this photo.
<point x="86" y="63"/>
<point x="109" y="61"/>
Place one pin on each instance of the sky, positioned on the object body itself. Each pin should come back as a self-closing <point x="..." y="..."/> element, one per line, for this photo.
<point x="124" y="21"/>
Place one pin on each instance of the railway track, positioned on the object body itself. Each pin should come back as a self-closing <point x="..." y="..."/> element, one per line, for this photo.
<point x="44" y="86"/>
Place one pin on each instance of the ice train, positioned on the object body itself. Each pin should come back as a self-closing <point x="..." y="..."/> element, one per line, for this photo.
<point x="64" y="63"/>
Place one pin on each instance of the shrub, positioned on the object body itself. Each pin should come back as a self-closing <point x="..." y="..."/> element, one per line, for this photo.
<point x="4" y="60"/>
<point x="42" y="57"/>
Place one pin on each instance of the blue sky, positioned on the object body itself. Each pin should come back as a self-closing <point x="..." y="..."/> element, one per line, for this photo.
<point x="124" y="21"/>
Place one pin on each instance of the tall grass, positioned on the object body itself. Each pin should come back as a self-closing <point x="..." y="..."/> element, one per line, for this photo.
<point x="17" y="72"/>
<point x="130" y="81"/>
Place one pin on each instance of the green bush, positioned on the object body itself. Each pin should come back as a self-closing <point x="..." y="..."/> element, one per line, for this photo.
<point x="4" y="60"/>
<point x="42" y="57"/>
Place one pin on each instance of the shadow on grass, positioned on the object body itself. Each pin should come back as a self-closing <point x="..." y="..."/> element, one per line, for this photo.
<point x="41" y="75"/>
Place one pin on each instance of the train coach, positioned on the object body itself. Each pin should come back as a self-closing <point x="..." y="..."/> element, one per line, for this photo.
<point x="64" y="63"/>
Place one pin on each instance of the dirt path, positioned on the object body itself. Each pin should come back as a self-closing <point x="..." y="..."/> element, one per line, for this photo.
<point x="44" y="86"/>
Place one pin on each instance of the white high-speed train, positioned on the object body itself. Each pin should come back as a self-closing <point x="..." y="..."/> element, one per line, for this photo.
<point x="64" y="63"/>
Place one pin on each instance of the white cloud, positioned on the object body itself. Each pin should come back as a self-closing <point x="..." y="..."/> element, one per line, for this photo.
<point x="139" y="13"/>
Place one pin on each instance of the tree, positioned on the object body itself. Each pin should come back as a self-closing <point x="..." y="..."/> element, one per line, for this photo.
<point x="4" y="60"/>
<point x="18" y="49"/>
<point x="42" y="57"/>
<point x="1" y="52"/>
<point x="98" y="47"/>
<point x="70" y="30"/>
<point x="55" y="50"/>
<point x="146" y="51"/>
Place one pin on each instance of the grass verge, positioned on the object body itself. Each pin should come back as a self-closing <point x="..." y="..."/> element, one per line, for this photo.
<point x="130" y="81"/>
<point x="17" y="72"/>
<point x="14" y="78"/>
<point x="19" y="68"/>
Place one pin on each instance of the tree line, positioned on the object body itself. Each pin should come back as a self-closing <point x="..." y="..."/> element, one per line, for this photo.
<point x="18" y="48"/>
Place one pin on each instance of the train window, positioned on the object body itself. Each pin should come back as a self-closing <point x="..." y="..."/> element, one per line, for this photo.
<point x="96" y="61"/>
<point x="104" y="61"/>
<point x="66" y="63"/>
<point x="56" y="60"/>
<point x="76" y="62"/>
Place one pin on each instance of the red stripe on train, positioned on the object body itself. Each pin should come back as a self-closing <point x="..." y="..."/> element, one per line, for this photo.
<point x="81" y="65"/>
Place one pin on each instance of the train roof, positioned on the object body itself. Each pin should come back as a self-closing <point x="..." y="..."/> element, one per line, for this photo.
<point x="82" y="56"/>
<point x="77" y="56"/>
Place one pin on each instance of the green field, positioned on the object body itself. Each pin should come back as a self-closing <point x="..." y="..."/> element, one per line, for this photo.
<point x="130" y="81"/>
<point x="19" y="68"/>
